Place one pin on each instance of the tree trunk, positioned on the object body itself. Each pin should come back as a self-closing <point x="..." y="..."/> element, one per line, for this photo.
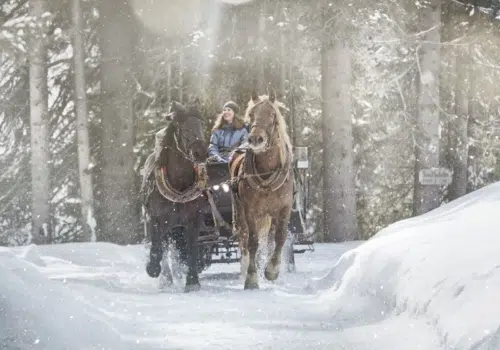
<point x="459" y="139"/>
<point x="339" y="198"/>
<point x="181" y="76"/>
<point x="285" y="49"/>
<point x="82" y="131"/>
<point x="289" y="53"/>
<point x="474" y="133"/>
<point x="261" y="83"/>
<point x="169" y="79"/>
<point x="39" y="124"/>
<point x="426" y="197"/>
<point x="119" y="212"/>
<point x="283" y="65"/>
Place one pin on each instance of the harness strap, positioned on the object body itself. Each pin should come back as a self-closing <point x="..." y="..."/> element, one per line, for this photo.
<point x="234" y="168"/>
<point x="242" y="167"/>
<point x="275" y="180"/>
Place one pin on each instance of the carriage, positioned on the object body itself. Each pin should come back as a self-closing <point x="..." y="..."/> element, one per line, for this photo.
<point x="217" y="245"/>
<point x="217" y="212"/>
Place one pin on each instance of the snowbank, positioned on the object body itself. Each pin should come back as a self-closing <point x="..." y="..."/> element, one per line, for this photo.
<point x="441" y="269"/>
<point x="38" y="313"/>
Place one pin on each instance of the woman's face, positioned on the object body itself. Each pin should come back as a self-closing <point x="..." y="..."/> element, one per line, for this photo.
<point x="228" y="114"/>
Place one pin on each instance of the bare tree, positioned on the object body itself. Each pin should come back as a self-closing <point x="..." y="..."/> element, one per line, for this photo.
<point x="261" y="18"/>
<point x="82" y="132"/>
<point x="458" y="124"/>
<point x="426" y="197"/>
<point x="39" y="123"/>
<point x="283" y="54"/>
<point x="169" y="79"/>
<point x="339" y="198"/>
<point x="181" y="75"/>
<point x="474" y="130"/>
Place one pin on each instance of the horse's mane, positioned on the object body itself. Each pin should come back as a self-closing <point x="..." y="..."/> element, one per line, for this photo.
<point x="168" y="139"/>
<point x="283" y="138"/>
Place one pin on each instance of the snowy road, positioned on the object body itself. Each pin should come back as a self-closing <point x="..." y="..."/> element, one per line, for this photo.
<point x="111" y="284"/>
<point x="111" y="281"/>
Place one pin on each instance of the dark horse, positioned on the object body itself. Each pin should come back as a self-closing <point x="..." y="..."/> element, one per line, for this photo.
<point x="262" y="187"/>
<point x="172" y="193"/>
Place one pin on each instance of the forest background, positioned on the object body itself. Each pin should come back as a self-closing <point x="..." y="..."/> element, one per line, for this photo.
<point x="377" y="91"/>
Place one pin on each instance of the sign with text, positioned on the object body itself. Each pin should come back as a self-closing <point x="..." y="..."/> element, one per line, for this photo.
<point x="435" y="176"/>
<point x="300" y="154"/>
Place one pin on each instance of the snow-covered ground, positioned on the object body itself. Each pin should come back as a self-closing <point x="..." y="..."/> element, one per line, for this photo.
<point x="430" y="282"/>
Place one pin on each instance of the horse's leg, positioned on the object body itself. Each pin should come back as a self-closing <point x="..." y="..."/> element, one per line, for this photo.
<point x="280" y="235"/>
<point x="153" y="267"/>
<point x="269" y="244"/>
<point x="241" y="229"/>
<point x="166" y="279"/>
<point x="176" y="262"/>
<point x="252" y="278"/>
<point x="192" y="232"/>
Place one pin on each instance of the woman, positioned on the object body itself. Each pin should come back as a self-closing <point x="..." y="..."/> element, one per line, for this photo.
<point x="228" y="133"/>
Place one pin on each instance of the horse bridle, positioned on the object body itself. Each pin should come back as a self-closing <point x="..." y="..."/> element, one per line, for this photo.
<point x="201" y="181"/>
<point x="183" y="147"/>
<point x="269" y="133"/>
<point x="187" y="153"/>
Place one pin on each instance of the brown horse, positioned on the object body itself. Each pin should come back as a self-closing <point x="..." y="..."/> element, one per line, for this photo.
<point x="262" y="187"/>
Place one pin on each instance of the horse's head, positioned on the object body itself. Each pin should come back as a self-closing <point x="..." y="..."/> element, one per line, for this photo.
<point x="262" y="115"/>
<point x="188" y="125"/>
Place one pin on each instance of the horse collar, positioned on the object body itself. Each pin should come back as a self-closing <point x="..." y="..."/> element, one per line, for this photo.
<point x="193" y="192"/>
<point x="274" y="182"/>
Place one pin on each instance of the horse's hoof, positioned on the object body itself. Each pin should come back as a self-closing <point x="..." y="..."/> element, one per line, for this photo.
<point x="271" y="276"/>
<point x="192" y="288"/>
<point x="153" y="270"/>
<point x="251" y="285"/>
<point x="271" y="273"/>
<point x="165" y="282"/>
<point x="251" y="282"/>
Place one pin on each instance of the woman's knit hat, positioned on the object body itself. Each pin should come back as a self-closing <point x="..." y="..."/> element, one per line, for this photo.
<point x="233" y="106"/>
